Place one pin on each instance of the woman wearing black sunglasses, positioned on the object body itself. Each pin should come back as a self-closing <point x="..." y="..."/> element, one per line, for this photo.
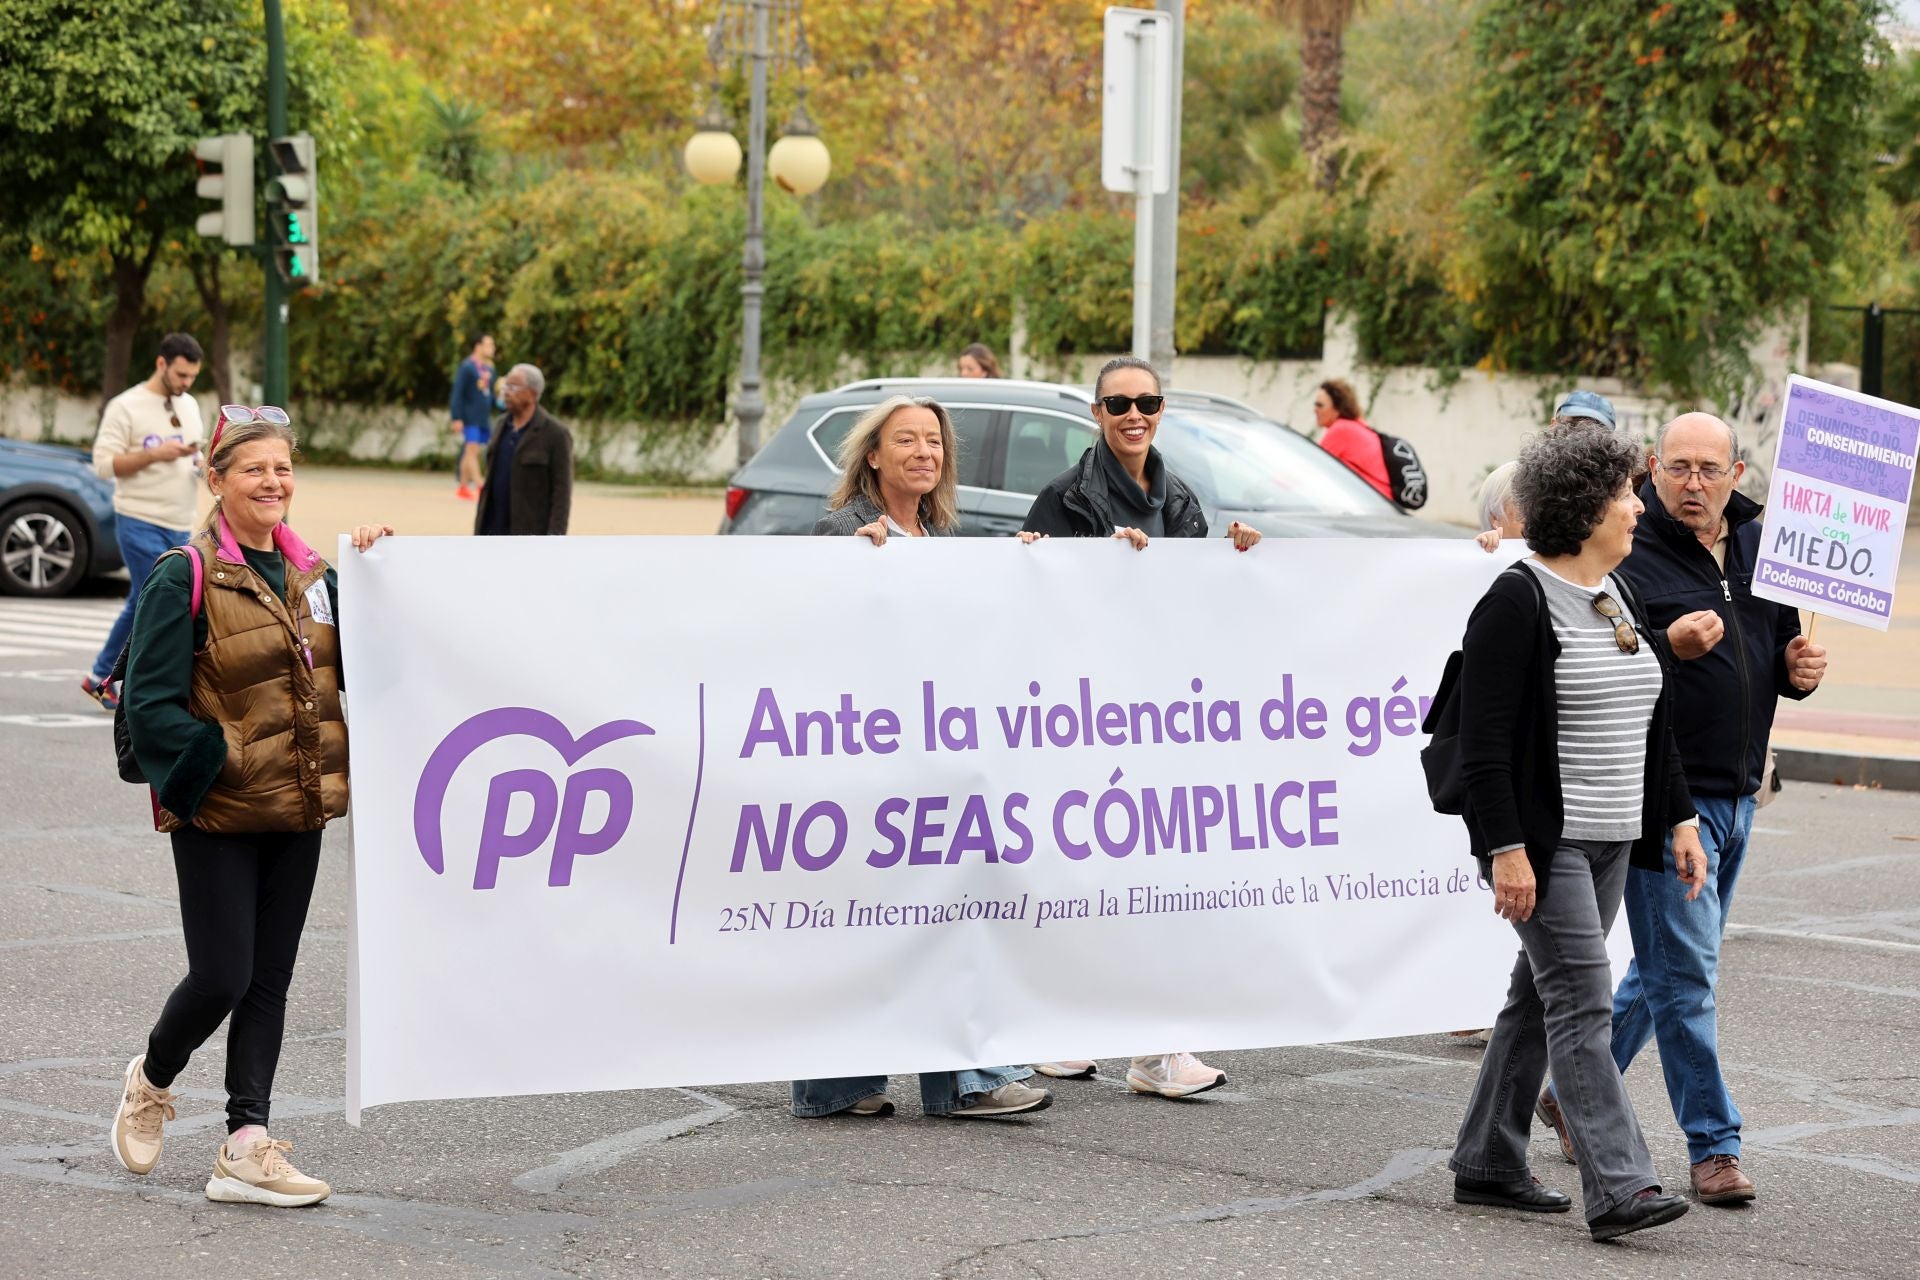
<point x="1122" y="488"/>
<point x="1571" y="776"/>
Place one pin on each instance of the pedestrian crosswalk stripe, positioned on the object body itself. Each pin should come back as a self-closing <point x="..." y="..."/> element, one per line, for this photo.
<point x="35" y="629"/>
<point x="60" y="617"/>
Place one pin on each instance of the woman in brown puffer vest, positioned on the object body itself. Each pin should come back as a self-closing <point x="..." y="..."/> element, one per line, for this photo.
<point x="233" y="706"/>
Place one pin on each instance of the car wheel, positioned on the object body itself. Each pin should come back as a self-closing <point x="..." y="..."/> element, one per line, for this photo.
<point x="43" y="549"/>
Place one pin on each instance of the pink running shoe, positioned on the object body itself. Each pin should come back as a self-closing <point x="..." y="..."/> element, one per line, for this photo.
<point x="1173" y="1075"/>
<point x="1071" y="1069"/>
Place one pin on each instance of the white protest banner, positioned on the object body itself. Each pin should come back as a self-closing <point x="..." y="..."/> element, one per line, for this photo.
<point x="657" y="811"/>
<point x="1837" y="503"/>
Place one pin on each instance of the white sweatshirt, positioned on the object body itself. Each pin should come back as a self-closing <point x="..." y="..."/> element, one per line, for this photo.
<point x="166" y="492"/>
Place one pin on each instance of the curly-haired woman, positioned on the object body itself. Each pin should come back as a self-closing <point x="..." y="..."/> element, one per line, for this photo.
<point x="1572" y="775"/>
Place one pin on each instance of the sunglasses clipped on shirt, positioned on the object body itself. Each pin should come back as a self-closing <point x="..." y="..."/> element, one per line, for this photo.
<point x="1118" y="405"/>
<point x="1623" y="634"/>
<point x="240" y="414"/>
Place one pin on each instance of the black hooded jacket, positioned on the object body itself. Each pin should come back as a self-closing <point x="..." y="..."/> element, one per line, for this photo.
<point x="1724" y="700"/>
<point x="1078" y="503"/>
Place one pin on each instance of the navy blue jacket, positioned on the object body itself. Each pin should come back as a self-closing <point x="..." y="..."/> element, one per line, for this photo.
<point x="472" y="402"/>
<point x="1724" y="700"/>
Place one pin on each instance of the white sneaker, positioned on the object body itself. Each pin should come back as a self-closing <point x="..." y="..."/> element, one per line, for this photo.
<point x="1071" y="1069"/>
<point x="1173" y="1075"/>
<point x="1007" y="1100"/>
<point x="874" y="1104"/>
<point x="263" y="1176"/>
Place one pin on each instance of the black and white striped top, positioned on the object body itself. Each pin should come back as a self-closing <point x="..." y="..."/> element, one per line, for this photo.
<point x="1606" y="702"/>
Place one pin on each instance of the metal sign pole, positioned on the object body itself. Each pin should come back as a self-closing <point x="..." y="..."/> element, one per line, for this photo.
<point x="1166" y="205"/>
<point x="1137" y="94"/>
<point x="1144" y="105"/>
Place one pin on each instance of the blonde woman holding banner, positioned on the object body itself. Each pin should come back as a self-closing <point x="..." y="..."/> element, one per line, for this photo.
<point x="897" y="481"/>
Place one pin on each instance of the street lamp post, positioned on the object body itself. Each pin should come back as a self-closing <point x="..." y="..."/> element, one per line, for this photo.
<point x="744" y="30"/>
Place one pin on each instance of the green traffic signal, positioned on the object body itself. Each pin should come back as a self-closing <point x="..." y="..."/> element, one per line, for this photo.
<point x="293" y="208"/>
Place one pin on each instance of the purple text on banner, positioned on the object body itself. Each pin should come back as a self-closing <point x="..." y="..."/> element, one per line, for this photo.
<point x="1848" y="442"/>
<point x="1818" y="585"/>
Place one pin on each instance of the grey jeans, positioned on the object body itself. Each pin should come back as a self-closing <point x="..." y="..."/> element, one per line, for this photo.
<point x="1559" y="1010"/>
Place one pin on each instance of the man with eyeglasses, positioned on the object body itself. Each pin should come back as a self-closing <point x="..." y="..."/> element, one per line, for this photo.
<point x="1692" y="564"/>
<point x="146" y="445"/>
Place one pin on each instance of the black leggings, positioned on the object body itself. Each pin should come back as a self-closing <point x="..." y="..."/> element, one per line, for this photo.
<point x="243" y="902"/>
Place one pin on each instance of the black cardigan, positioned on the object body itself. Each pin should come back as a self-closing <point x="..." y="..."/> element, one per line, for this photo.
<point x="1509" y="738"/>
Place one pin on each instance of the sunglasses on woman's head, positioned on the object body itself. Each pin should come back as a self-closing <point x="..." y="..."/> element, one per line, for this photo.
<point x="238" y="414"/>
<point x="1118" y="405"/>
<point x="1623" y="635"/>
<point x="234" y="414"/>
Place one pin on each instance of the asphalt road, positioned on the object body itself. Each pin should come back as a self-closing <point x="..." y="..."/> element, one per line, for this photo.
<point x="1325" y="1160"/>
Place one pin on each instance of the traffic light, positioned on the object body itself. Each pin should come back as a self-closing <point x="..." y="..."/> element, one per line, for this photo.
<point x="293" y="210"/>
<point x="226" y="178"/>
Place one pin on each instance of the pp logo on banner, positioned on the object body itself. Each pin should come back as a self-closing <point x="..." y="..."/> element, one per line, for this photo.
<point x="555" y="804"/>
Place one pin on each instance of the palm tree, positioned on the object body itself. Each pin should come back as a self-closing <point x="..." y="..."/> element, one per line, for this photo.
<point x="1322" y="25"/>
<point x="457" y="143"/>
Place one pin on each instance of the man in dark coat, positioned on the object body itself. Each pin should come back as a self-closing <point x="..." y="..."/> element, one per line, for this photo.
<point x="529" y="486"/>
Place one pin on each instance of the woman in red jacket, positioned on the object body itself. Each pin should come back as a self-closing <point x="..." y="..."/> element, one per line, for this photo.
<point x="1347" y="436"/>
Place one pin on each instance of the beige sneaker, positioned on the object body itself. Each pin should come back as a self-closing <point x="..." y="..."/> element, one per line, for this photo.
<point x="137" y="1125"/>
<point x="1007" y="1100"/>
<point x="263" y="1176"/>
<point x="1173" y="1075"/>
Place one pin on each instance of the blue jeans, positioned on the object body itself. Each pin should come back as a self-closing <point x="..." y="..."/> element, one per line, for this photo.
<point x="140" y="545"/>
<point x="940" y="1091"/>
<point x="1668" y="993"/>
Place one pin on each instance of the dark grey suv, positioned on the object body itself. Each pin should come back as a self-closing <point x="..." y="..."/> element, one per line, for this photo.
<point x="1016" y="436"/>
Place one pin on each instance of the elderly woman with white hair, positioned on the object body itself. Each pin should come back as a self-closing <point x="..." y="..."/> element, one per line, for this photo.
<point x="897" y="481"/>
<point x="1499" y="517"/>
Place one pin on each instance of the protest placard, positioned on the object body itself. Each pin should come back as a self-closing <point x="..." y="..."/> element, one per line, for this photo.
<point x="1837" y="503"/>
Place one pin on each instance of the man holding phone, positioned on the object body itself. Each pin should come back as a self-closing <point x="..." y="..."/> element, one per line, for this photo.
<point x="148" y="440"/>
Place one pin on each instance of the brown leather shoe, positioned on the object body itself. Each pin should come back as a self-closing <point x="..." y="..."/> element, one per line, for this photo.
<point x="1718" y="1180"/>
<point x="1548" y="1109"/>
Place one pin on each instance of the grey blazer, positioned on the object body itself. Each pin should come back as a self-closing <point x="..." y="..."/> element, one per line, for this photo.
<point x="855" y="516"/>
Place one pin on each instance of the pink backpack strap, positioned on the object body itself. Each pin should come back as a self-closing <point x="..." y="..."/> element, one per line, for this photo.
<point x="199" y="576"/>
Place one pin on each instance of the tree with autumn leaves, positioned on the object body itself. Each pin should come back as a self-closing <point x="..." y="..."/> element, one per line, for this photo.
<point x="1472" y="180"/>
<point x="942" y="110"/>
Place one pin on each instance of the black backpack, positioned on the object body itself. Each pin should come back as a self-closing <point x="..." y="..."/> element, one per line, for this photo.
<point x="1405" y="476"/>
<point x="1440" y="758"/>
